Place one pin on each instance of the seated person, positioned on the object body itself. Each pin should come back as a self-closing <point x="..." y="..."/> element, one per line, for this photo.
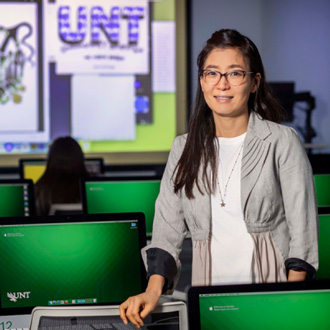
<point x="60" y="184"/>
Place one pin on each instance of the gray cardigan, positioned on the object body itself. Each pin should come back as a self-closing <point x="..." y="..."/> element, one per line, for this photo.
<point x="277" y="195"/>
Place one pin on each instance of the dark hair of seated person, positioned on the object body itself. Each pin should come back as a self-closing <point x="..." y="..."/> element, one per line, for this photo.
<point x="60" y="183"/>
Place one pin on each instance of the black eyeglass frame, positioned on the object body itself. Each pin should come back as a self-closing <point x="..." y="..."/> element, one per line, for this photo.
<point x="225" y="75"/>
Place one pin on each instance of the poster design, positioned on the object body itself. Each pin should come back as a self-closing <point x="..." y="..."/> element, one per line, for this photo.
<point x="18" y="68"/>
<point x="103" y="36"/>
<point x="12" y="61"/>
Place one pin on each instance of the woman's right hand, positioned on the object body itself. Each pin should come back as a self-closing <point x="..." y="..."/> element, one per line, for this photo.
<point x="138" y="307"/>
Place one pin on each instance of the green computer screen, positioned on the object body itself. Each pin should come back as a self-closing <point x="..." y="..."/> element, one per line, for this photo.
<point x="322" y="188"/>
<point x="324" y="248"/>
<point x="14" y="200"/>
<point x="123" y="196"/>
<point x="69" y="263"/>
<point x="266" y="310"/>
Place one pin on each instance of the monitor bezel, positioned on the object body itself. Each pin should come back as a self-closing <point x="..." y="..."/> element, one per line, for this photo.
<point x="25" y="161"/>
<point x="323" y="210"/>
<point x="56" y="219"/>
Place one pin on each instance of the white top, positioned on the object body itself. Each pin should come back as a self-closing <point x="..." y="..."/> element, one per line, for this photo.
<point x="231" y="245"/>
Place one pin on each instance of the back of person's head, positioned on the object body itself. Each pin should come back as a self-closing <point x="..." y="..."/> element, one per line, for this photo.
<point x="60" y="183"/>
<point x="262" y="100"/>
<point x="65" y="158"/>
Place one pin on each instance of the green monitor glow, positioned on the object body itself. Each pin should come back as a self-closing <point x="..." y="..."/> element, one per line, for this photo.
<point x="122" y="194"/>
<point x="70" y="260"/>
<point x="16" y="198"/>
<point x="261" y="306"/>
<point x="324" y="248"/>
<point x="322" y="189"/>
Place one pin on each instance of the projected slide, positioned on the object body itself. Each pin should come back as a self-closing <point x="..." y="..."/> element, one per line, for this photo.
<point x="99" y="111"/>
<point x="101" y="36"/>
<point x="104" y="37"/>
<point x="19" y="68"/>
<point x="23" y="110"/>
<point x="101" y="71"/>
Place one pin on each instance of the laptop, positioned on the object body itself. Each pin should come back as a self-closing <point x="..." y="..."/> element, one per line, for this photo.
<point x="295" y="305"/>
<point x="78" y="260"/>
<point x="16" y="198"/>
<point x="65" y="209"/>
<point x="34" y="168"/>
<point x="166" y="316"/>
<point x="121" y="194"/>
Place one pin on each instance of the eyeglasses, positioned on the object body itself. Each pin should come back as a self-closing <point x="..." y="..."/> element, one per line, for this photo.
<point x="233" y="77"/>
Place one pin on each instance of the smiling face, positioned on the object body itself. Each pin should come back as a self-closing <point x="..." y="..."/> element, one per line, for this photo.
<point x="224" y="99"/>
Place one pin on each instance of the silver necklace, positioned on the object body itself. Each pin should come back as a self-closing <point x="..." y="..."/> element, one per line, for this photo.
<point x="223" y="204"/>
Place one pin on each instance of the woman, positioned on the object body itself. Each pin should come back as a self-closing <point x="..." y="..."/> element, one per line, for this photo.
<point x="61" y="181"/>
<point x="238" y="181"/>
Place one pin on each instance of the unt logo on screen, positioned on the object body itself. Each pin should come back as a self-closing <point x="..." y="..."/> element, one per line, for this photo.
<point x="18" y="295"/>
<point x="95" y="22"/>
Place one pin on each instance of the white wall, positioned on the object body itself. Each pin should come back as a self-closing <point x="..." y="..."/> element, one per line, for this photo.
<point x="296" y="47"/>
<point x="293" y="37"/>
<point x="210" y="15"/>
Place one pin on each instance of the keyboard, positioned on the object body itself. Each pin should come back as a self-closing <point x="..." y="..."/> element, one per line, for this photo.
<point x="84" y="323"/>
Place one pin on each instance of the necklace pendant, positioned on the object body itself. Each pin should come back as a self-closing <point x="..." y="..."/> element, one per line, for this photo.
<point x="222" y="197"/>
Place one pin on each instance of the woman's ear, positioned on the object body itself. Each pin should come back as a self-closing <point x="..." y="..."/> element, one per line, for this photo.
<point x="256" y="82"/>
<point x="201" y="81"/>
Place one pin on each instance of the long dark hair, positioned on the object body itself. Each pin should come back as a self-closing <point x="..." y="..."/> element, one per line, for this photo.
<point x="61" y="181"/>
<point x="200" y="149"/>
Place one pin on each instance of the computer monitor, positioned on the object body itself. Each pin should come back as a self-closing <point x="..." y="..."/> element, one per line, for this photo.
<point x="121" y="194"/>
<point x="324" y="246"/>
<point x="322" y="189"/>
<point x="153" y="170"/>
<point x="16" y="198"/>
<point x="290" y="305"/>
<point x="34" y="168"/>
<point x="70" y="260"/>
<point x="94" y="166"/>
